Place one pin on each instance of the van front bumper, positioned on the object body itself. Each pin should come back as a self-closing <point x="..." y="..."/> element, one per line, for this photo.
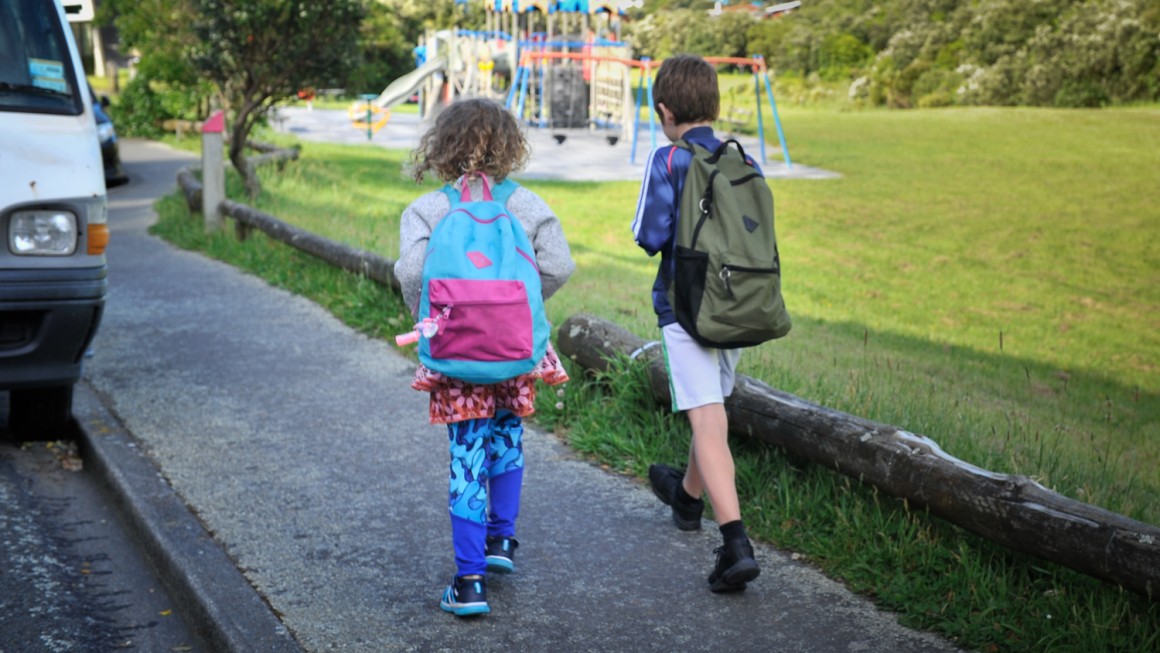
<point x="48" y="318"/>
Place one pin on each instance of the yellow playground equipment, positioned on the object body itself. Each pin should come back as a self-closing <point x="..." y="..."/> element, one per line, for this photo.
<point x="365" y="114"/>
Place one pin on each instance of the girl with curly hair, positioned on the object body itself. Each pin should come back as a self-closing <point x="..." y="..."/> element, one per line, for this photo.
<point x="475" y="142"/>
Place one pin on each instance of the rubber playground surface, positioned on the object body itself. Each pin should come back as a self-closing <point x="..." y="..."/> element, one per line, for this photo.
<point x="582" y="155"/>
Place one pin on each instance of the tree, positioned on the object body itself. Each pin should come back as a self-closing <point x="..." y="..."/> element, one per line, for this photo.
<point x="386" y="50"/>
<point x="419" y="15"/>
<point x="260" y="52"/>
<point x="165" y="84"/>
<point x="154" y="27"/>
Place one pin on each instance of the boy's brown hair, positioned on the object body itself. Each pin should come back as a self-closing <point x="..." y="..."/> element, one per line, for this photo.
<point x="474" y="135"/>
<point x="687" y="85"/>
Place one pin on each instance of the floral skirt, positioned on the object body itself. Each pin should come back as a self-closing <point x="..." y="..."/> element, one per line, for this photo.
<point x="453" y="400"/>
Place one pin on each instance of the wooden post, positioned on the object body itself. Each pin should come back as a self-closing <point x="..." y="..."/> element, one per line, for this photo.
<point x="213" y="170"/>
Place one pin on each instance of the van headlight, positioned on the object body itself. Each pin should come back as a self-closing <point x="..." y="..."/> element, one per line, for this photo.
<point x="42" y="233"/>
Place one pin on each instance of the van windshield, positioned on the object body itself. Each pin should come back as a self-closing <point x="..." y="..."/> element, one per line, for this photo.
<point x="36" y="72"/>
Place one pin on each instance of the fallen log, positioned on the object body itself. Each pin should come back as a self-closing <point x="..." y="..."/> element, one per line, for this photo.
<point x="369" y="264"/>
<point x="1011" y="510"/>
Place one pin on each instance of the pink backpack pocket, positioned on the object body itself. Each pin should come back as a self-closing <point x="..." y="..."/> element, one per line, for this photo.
<point x="486" y="320"/>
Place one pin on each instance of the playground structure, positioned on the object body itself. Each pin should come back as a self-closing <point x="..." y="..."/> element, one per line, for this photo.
<point x="629" y="111"/>
<point x="454" y="63"/>
<point x="557" y="65"/>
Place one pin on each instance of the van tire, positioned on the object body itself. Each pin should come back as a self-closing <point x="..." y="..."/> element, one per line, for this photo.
<point x="40" y="413"/>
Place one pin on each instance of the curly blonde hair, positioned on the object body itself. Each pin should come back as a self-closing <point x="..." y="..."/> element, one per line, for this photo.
<point x="473" y="135"/>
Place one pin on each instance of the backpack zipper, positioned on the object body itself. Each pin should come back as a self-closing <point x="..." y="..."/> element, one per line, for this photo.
<point x="726" y="272"/>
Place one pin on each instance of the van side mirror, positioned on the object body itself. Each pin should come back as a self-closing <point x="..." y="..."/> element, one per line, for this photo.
<point x="105" y="101"/>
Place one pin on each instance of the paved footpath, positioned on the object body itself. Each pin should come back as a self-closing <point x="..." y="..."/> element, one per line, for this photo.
<point x="299" y="446"/>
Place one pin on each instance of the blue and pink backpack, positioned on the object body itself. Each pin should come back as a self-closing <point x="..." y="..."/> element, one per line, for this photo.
<point x="481" y="287"/>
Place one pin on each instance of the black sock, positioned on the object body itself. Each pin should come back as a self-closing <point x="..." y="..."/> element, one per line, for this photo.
<point x="734" y="530"/>
<point x="684" y="499"/>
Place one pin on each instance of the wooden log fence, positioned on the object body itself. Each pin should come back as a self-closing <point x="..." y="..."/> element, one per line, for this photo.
<point x="369" y="264"/>
<point x="190" y="185"/>
<point x="1011" y="510"/>
<point x="358" y="261"/>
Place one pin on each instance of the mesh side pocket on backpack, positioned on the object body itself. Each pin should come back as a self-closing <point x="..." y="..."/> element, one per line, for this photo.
<point x="689" y="286"/>
<point x="488" y="320"/>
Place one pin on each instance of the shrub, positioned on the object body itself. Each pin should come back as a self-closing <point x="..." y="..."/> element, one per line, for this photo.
<point x="936" y="87"/>
<point x="841" y="55"/>
<point x="999" y="84"/>
<point x="997" y="52"/>
<point x="1102" y="51"/>
<point x="140" y="111"/>
<point x="1080" y="93"/>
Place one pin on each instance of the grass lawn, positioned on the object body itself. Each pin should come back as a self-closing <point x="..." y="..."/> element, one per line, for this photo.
<point x="1003" y="262"/>
<point x="987" y="277"/>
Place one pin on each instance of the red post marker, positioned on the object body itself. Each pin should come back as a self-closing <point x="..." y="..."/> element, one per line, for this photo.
<point x="215" y="124"/>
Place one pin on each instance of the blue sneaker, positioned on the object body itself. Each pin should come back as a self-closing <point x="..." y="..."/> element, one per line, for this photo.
<point x="465" y="597"/>
<point x="499" y="553"/>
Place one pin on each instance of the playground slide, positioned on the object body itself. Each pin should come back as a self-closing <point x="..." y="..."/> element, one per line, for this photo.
<point x="403" y="87"/>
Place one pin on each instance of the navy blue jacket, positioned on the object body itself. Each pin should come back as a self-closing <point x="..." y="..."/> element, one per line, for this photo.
<point x="655" y="224"/>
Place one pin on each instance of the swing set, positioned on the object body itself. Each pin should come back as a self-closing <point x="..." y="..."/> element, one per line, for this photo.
<point x="610" y="103"/>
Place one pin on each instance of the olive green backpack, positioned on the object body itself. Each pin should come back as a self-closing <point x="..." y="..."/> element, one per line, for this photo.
<point x="726" y="287"/>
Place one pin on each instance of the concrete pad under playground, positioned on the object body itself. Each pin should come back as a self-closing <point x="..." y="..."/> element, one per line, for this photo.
<point x="584" y="155"/>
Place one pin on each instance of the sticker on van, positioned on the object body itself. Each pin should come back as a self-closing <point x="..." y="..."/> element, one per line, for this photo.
<point x="48" y="74"/>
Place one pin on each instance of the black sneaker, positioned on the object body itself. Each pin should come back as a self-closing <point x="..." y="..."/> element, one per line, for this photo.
<point x="664" y="481"/>
<point x="499" y="554"/>
<point x="735" y="567"/>
<point x="465" y="597"/>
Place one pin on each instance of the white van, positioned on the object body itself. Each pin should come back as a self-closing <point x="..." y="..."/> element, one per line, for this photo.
<point x="52" y="213"/>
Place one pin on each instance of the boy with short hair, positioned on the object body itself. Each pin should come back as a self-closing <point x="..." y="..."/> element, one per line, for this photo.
<point x="687" y="98"/>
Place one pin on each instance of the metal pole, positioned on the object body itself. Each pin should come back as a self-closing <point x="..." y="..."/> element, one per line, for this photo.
<point x="524" y="88"/>
<point x="776" y="119"/>
<point x="760" y="118"/>
<point x="636" y="117"/>
<point x="367" y="99"/>
<point x="517" y="71"/>
<point x="652" y="116"/>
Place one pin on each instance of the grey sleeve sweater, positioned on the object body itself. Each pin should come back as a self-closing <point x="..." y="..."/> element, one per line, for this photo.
<point x="542" y="226"/>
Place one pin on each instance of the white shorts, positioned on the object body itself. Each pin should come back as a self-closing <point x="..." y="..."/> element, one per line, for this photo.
<point x="698" y="375"/>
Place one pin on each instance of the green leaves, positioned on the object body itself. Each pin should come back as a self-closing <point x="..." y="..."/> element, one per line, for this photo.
<point x="916" y="53"/>
<point x="260" y="49"/>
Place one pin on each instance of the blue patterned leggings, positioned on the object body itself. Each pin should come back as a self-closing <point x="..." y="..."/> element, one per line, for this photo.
<point x="487" y="470"/>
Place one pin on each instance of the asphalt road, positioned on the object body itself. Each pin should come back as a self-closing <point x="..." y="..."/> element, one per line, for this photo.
<point x="72" y="578"/>
<point x="319" y="488"/>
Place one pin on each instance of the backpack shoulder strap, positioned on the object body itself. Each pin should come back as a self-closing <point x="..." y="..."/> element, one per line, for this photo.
<point x="680" y="143"/>
<point x="452" y="194"/>
<point x="503" y="191"/>
<point x="724" y="147"/>
<point x="491" y="191"/>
